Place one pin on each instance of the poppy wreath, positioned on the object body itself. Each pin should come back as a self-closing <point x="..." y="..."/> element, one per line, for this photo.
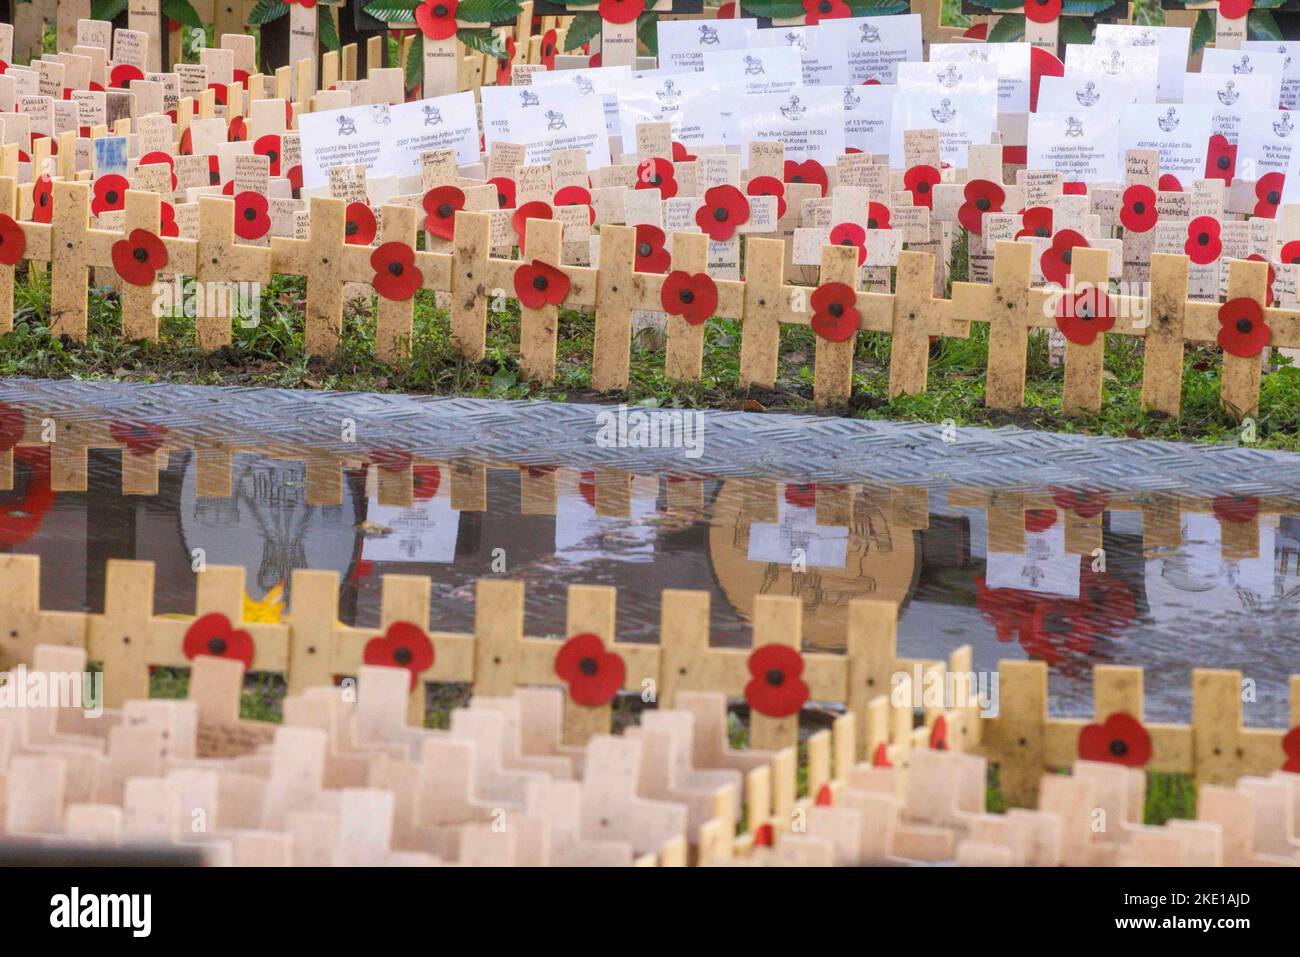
<point x="651" y="256"/>
<point x="270" y="147"/>
<point x="539" y="284"/>
<point x="725" y="209"/>
<point x="505" y="191"/>
<point x="920" y="181"/>
<point x="43" y="199"/>
<point x="851" y="234"/>
<point x="593" y="673"/>
<point x="1291" y="748"/>
<point x="1138" y="214"/>
<point x="252" y="216"/>
<point x="621" y="11"/>
<point x="534" y="210"/>
<point x="1084" y="313"/>
<point x="441" y="204"/>
<point x="109" y="194"/>
<point x="1203" y="245"/>
<point x="436" y="19"/>
<point x="1221" y="159"/>
<point x="809" y="171"/>
<point x="1042" y="11"/>
<point x="835" y="311"/>
<point x="402" y="645"/>
<point x="1268" y="194"/>
<point x="13" y="241"/>
<point x="359" y="224"/>
<point x="982" y="196"/>
<point x="693" y="297"/>
<point x="775" y="687"/>
<point x="1235" y="509"/>
<point x="878" y="216"/>
<point x="396" y="276"/>
<point x="768" y="186"/>
<point x="576" y="196"/>
<point x="215" y="636"/>
<point x="815" y="11"/>
<point x="1120" y="739"/>
<point x="1035" y="221"/>
<point x="657" y="173"/>
<point x="1242" y="330"/>
<point x="1056" y="258"/>
<point x="140" y="438"/>
<point x="138" y="257"/>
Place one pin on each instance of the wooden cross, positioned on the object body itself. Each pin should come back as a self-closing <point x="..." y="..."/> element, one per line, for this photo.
<point x="916" y="316"/>
<point x="23" y="625"/>
<point x="221" y="260"/>
<point x="139" y="318"/>
<point x="74" y="249"/>
<point x="36" y="248"/>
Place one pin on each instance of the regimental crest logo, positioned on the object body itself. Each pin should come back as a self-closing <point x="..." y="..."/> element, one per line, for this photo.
<point x="1229" y="95"/>
<point x="851" y="98"/>
<point x="708" y="36"/>
<point x="528" y="98"/>
<point x="1088" y="96"/>
<point x="1169" y="122"/>
<point x="793" y="110"/>
<point x="975" y="53"/>
<point x="432" y="115"/>
<point x="1147" y="38"/>
<point x="943" y="113"/>
<point x="1243" y="65"/>
<point x="1073" y="126"/>
<point x="753" y="66"/>
<point x="949" y="76"/>
<point x="585" y="86"/>
<point x="555" y="120"/>
<point x="347" y="126"/>
<point x="870" y="34"/>
<point x="793" y="39"/>
<point x="1113" y="64"/>
<point x="668" y="94"/>
<point x="1284" y="126"/>
<point x="1286" y="63"/>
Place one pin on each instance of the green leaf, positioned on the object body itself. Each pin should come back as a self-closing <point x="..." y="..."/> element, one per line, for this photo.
<point x="647" y="31"/>
<point x="1009" y="28"/>
<point x="1260" y="25"/>
<point x="183" y="13"/>
<point x="1202" y="31"/>
<point x="414" y="74"/>
<point x="487" y="11"/>
<point x="880" y="8"/>
<point x="392" y="11"/>
<point x="776" y="9"/>
<point x="1268" y="4"/>
<point x="1000" y="4"/>
<point x="483" y="39"/>
<point x="107" y="9"/>
<point x="1074" y="30"/>
<point x="1086" y="7"/>
<point x="584" y="26"/>
<point x="264" y="11"/>
<point x="326" y="31"/>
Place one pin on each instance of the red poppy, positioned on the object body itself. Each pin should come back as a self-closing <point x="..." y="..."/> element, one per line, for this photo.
<point x="681" y="154"/>
<point x="1139" y="214"/>
<point x="109" y="193"/>
<point x="725" y="208"/>
<point x="359" y="224"/>
<point x="167" y="220"/>
<point x="140" y="438"/>
<point x="1236" y="509"/>
<point x="1121" y="739"/>
<point x="1220" y="158"/>
<point x="592" y="673"/>
<point x="825" y="796"/>
<point x="1083" y="314"/>
<point x="815" y="11"/>
<point x="215" y="636"/>
<point x="546" y="56"/>
<point x="503" y="65"/>
<point x="1290" y="253"/>
<point x="851" y="234"/>
<point x="1203" y="244"/>
<point x="1168" y="183"/>
<point x="1291" y="748"/>
<point x="1035" y="221"/>
<point x="237" y="131"/>
<point x="1039" y="519"/>
<point x="1235" y="9"/>
<point x="1074" y="189"/>
<point x="657" y="173"/>
<point x="593" y="62"/>
<point x="809" y="171"/>
<point x="775" y="688"/>
<point x="270" y="147"/>
<point x="1272" y="276"/>
<point x="403" y="645"/>
<point x="396" y="275"/>
<point x="576" y="196"/>
<point x="294" y="176"/>
<point x="252" y="220"/>
<point x="763" y="834"/>
<point x="727" y="11"/>
<point x="43" y="199"/>
<point x="1242" y="329"/>
<point x="621" y="11"/>
<point x="440" y="206"/>
<point x="650" y="253"/>
<point x="920" y="182"/>
<point x="1041" y="64"/>
<point x="693" y="297"/>
<point x="12" y="240"/>
<point x="768" y="186"/>
<point x="939" y="734"/>
<point x="880" y="758"/>
<point x="158" y="157"/>
<point x="1268" y="194"/>
<point x="425" y="480"/>
<point x="801" y="496"/>
<point x="1086" y="503"/>
<point x="1055" y="261"/>
<point x="534" y="210"/>
<point x="878" y="216"/>
<point x="505" y="191"/>
<point x="835" y="311"/>
<point x="436" y="18"/>
<point x="1042" y="11"/>
<point x="120" y="77"/>
<point x="982" y="196"/>
<point x="138" y="258"/>
<point x="539" y="284"/>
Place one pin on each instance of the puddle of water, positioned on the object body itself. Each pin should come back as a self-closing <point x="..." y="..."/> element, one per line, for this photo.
<point x="1090" y="580"/>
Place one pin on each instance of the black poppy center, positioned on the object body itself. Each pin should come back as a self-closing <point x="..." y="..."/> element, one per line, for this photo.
<point x="835" y="309"/>
<point x="250" y="214"/>
<point x="440" y="10"/>
<point x="923" y="187"/>
<point x="775" y="677"/>
<point x="1274" y="197"/>
<point x="871" y="224"/>
<point x="140" y="254"/>
<point x="824" y="6"/>
<point x="796" y="179"/>
<point x="1067" y="256"/>
<point x="352" y="228"/>
<point x="1084" y="311"/>
<point x="395" y="268"/>
<point x="846" y="241"/>
<point x="1118" y="748"/>
<point x="273" y="156"/>
<point x="539" y="283"/>
<point x="111" y="196"/>
<point x="502" y="200"/>
<point x="45" y="199"/>
<point x="1244" y="326"/>
<point x="1224" y="162"/>
<point x="445" y="210"/>
<point x="720" y="215"/>
<point x="1042" y="231"/>
<point x="1139" y="207"/>
<point x="1203" y="239"/>
<point x="217" y="646"/>
<point x="644" y="249"/>
<point x="656" y="179"/>
<point x="402" y="656"/>
<point x="686" y="296"/>
<point x="588" y="666"/>
<point x="982" y="204"/>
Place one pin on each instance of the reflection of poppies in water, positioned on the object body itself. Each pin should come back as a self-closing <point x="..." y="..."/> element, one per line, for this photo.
<point x="1053" y="628"/>
<point x="1083" y="502"/>
<point x="23" y="509"/>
